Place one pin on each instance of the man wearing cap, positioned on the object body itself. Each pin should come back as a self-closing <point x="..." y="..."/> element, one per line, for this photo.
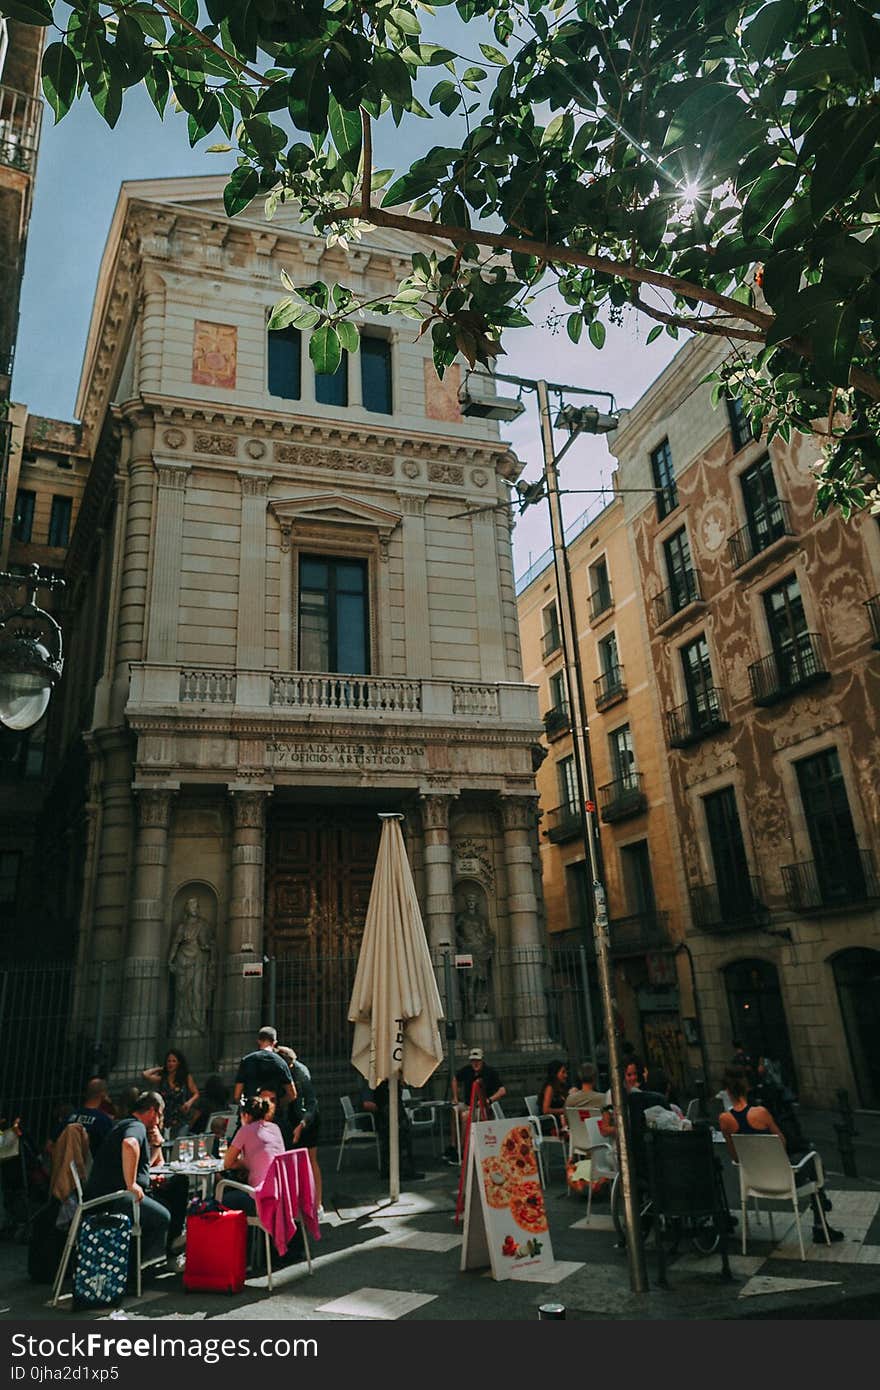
<point x="462" y="1086"/>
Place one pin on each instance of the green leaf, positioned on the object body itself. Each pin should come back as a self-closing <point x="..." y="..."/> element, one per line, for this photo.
<point x="837" y="166"/>
<point x="768" y="196"/>
<point x="152" y="24"/>
<point x="107" y="97"/>
<point x="242" y="188"/>
<point x="493" y="55"/>
<point x="325" y="350"/>
<point x="158" y="85"/>
<point x="308" y="98"/>
<point x="834" y="341"/>
<point x="59" y="76"/>
<point x="771" y="28"/>
<point x="819" y="67"/>
<point x="347" y="134"/>
<point x="596" y="331"/>
<point x="348" y="336"/>
<point x="37" y="12"/>
<point x="574" y="327"/>
<point x="654" y="333"/>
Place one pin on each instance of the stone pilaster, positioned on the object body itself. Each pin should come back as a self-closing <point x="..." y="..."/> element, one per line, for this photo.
<point x="144" y="976"/>
<point x="439" y="911"/>
<point x="251" y="636"/>
<point x="164" y="612"/>
<point x="518" y="819"/>
<point x="415" y="587"/>
<point x="139" y="519"/>
<point x="243" y="997"/>
<point x="493" y="666"/>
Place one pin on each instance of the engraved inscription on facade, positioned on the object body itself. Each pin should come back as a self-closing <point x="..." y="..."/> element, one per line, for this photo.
<point x="388" y="756"/>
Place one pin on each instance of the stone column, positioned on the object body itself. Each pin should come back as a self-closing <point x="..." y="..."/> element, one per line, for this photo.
<point x="493" y="666"/>
<point x="251" y="637"/>
<point x="144" y="974"/>
<point x="439" y="911"/>
<point x="243" y="997"/>
<point x="164" y="609"/>
<point x="139" y="520"/>
<point x="518" y="818"/>
<point x="415" y="587"/>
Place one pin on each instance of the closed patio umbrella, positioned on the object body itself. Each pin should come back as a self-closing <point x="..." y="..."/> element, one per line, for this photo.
<point x="395" y="1004"/>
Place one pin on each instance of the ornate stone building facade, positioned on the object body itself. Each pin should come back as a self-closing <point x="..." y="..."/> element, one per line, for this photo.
<point x="290" y="610"/>
<point x="764" y="624"/>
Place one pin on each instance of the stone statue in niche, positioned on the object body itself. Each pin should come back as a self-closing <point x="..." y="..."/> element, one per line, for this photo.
<point x="192" y="962"/>
<point x="473" y="936"/>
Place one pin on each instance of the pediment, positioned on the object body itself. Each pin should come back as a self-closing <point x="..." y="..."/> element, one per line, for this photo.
<point x="333" y="509"/>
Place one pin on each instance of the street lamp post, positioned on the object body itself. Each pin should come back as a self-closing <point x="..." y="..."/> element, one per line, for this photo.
<point x="31" y="658"/>
<point x="586" y="420"/>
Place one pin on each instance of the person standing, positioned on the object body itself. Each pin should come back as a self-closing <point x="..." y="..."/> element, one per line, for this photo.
<point x="304" y="1118"/>
<point x="476" y="1071"/>
<point x="176" y="1087"/>
<point x="264" y="1070"/>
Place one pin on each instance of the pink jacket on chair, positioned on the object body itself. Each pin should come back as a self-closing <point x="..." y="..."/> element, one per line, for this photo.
<point x="286" y="1195"/>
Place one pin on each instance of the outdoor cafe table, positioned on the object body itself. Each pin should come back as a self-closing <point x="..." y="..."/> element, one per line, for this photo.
<point x="199" y="1171"/>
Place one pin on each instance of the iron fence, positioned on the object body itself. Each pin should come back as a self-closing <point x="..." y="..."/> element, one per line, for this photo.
<point x="60" y="1025"/>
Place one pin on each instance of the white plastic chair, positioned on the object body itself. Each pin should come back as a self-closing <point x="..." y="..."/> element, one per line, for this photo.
<point x="358" y="1129"/>
<point x="230" y="1116"/>
<point x="84" y="1206"/>
<point x="422" y="1115"/>
<point x="498" y="1110"/>
<point x="765" y="1171"/>
<point x="255" y="1222"/>
<point x="585" y="1140"/>
<point x="693" y="1109"/>
<point x="541" y="1137"/>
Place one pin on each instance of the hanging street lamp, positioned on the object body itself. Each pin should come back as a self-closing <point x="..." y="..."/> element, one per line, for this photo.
<point x="31" y="658"/>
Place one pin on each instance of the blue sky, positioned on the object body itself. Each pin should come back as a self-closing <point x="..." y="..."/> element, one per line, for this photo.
<point x="81" y="165"/>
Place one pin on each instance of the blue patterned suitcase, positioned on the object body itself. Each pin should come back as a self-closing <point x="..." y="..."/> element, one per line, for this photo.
<point x="101" y="1261"/>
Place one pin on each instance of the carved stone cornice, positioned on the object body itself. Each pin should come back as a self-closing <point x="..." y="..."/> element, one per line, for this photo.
<point x="249" y="809"/>
<point x="332" y="509"/>
<point x="153" y="808"/>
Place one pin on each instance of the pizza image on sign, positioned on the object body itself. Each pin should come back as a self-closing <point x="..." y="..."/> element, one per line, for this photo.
<point x="505" y="1217"/>
<point x="527" y="1207"/>
<point x="518" y="1152"/>
<point x="496" y="1182"/>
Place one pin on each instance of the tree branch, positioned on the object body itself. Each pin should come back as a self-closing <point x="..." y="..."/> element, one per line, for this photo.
<point x="177" y="18"/>
<point x="711" y="326"/>
<point x="367" y="170"/>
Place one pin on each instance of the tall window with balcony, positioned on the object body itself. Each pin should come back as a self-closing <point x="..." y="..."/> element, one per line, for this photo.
<point x="840" y="872"/>
<point x="552" y="638"/>
<point x="683" y="584"/>
<point x="623" y="796"/>
<point x="796" y="659"/>
<point x="767" y="513"/>
<point x="610" y="686"/>
<point x="702" y="712"/>
<point x="59" y="521"/>
<point x="564" y="821"/>
<point x="741" y="431"/>
<point x="664" y="479"/>
<point x="733" y="898"/>
<point x="557" y="720"/>
<point x="601" y="599"/>
<point x="23" y="518"/>
<point x="331" y="388"/>
<point x="643" y="927"/>
<point x="284" y="363"/>
<point x="333" y="615"/>
<point x="376" y="383"/>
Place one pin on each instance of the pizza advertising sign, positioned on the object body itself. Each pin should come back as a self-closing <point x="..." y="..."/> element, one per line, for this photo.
<point x="505" y="1223"/>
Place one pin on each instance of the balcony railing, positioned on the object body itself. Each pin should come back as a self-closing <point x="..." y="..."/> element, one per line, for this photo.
<point x="551" y="643"/>
<point x="622" y="798"/>
<point x="20" y="117"/>
<point x="601" y="601"/>
<point x="760" y="533"/>
<point x="688" y="723"/>
<point x="680" y="595"/>
<point x="562" y="823"/>
<point x="873" y="607"/>
<point x="738" y="908"/>
<point x="841" y="883"/>
<point x="610" y="688"/>
<point x="643" y="931"/>
<point x="792" y="668"/>
<point x="557" y="721"/>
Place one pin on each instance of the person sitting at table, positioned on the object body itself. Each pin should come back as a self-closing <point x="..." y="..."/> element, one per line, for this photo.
<point x="743" y="1118"/>
<point x="257" y="1143"/>
<point x="552" y="1098"/>
<point x="584" y="1095"/>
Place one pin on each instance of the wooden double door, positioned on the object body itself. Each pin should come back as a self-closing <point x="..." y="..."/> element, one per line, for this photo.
<point x="319" y="874"/>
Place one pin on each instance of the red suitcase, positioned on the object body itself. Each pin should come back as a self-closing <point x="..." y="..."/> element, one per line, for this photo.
<point x="216" y="1252"/>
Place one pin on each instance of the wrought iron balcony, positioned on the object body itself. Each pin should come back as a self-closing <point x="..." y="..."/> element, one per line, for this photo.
<point x="562" y="823"/>
<point x="738" y="908"/>
<point x="795" y="667"/>
<point x="601" y="602"/>
<point x="873" y="607"/>
<point x="610" y="688"/>
<point x="622" y="798"/>
<point x="841" y="883"/>
<point x="760" y="533"/>
<point x="679" y="596"/>
<point x="643" y="931"/>
<point x="551" y="643"/>
<point x="690" y="722"/>
<point x="20" y="117"/>
<point x="557" y="721"/>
